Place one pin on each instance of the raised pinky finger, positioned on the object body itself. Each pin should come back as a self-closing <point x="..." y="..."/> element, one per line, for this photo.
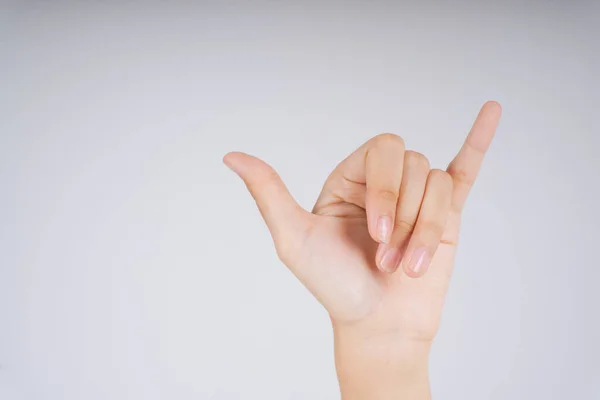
<point x="430" y="224"/>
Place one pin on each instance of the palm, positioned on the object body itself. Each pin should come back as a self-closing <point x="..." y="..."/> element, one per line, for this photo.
<point x="333" y="249"/>
<point x="343" y="248"/>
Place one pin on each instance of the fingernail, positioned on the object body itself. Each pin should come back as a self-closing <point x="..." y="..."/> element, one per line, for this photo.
<point x="419" y="260"/>
<point x="381" y="249"/>
<point x="390" y="260"/>
<point x="384" y="228"/>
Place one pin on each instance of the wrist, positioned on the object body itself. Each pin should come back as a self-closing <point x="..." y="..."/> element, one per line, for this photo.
<point x="378" y="365"/>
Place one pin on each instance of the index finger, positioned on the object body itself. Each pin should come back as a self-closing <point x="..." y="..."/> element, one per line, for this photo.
<point x="465" y="166"/>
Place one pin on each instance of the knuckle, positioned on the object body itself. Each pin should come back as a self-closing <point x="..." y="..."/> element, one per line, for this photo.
<point x="431" y="228"/>
<point x="460" y="175"/>
<point x="417" y="160"/>
<point x="389" y="138"/>
<point x="285" y="252"/>
<point x="387" y="195"/>
<point x="405" y="226"/>
<point x="284" y="247"/>
<point x="351" y="193"/>
<point x="270" y="178"/>
<point x="442" y="177"/>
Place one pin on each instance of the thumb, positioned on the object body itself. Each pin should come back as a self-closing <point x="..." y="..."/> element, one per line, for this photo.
<point x="287" y="221"/>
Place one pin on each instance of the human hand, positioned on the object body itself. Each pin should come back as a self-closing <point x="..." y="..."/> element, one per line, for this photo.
<point x="378" y="248"/>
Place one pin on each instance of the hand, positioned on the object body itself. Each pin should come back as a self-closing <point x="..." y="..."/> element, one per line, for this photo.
<point x="378" y="248"/>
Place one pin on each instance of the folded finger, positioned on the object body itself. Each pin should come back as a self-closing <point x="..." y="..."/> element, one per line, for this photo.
<point x="430" y="224"/>
<point x="412" y="190"/>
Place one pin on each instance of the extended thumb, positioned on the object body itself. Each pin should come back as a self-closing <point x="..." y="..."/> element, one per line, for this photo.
<point x="283" y="216"/>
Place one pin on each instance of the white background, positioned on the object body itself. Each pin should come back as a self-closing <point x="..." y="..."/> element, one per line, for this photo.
<point x="133" y="264"/>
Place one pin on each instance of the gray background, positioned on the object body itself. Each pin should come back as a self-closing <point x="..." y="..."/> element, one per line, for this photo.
<point x="133" y="264"/>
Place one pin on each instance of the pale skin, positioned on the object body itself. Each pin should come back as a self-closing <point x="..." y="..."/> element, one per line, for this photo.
<point x="377" y="251"/>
